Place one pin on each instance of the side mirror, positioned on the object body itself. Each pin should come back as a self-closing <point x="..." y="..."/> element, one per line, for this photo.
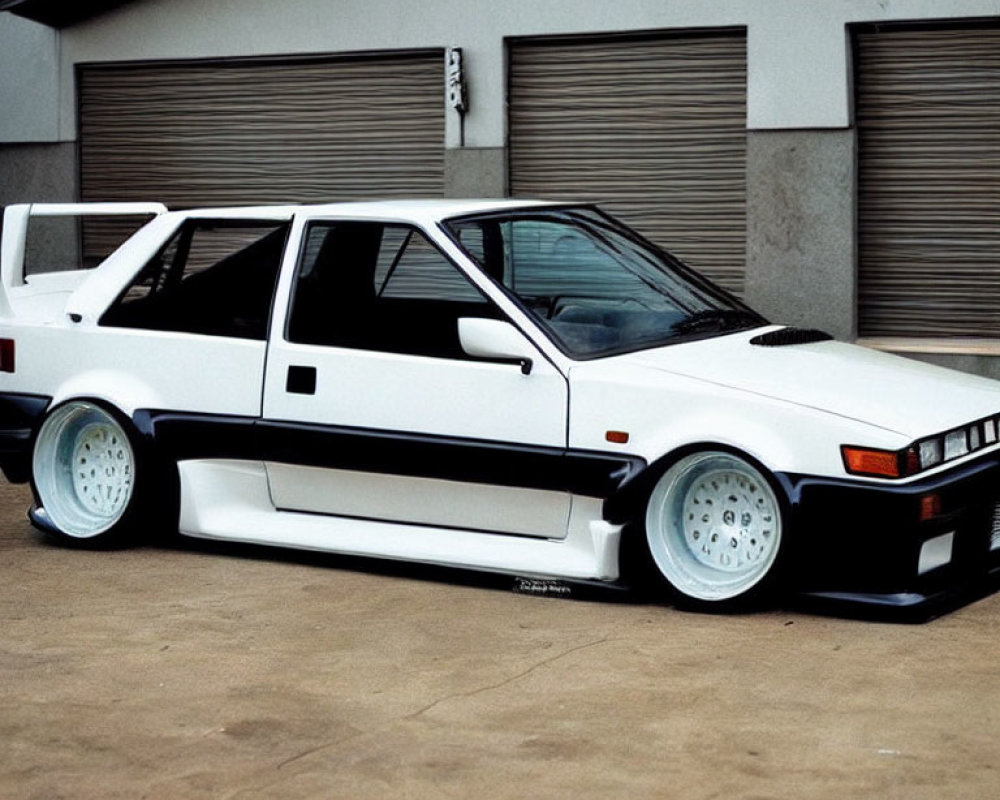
<point x="495" y="340"/>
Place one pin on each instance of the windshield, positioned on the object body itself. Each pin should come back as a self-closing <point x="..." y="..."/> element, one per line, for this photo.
<point x="594" y="285"/>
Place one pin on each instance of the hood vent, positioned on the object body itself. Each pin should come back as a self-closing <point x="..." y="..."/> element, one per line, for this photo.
<point x="787" y="336"/>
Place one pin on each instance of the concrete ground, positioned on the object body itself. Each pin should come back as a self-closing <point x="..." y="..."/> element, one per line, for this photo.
<point x="218" y="672"/>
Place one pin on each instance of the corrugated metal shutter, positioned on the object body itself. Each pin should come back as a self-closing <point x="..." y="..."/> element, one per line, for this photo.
<point x="654" y="129"/>
<point x="238" y="133"/>
<point x="928" y="117"/>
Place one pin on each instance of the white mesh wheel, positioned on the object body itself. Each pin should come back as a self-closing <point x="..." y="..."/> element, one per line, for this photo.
<point x="713" y="526"/>
<point x="84" y="470"/>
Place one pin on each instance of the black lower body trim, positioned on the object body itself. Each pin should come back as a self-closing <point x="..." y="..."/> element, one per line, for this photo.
<point x="469" y="460"/>
<point x="20" y="416"/>
<point x="861" y="543"/>
<point x="183" y="436"/>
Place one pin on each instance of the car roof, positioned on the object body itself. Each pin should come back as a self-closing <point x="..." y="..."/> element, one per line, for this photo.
<point x="407" y="210"/>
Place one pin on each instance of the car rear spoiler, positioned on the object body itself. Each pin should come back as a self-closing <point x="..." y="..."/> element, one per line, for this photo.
<point x="15" y="231"/>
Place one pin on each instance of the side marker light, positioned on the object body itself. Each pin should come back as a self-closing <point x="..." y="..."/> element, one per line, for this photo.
<point x="617" y="437"/>
<point x="930" y="507"/>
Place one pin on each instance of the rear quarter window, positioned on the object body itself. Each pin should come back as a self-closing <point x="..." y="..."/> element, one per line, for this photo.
<point x="211" y="277"/>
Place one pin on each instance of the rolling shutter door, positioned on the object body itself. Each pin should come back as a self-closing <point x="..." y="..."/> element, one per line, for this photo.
<point x="239" y="133"/>
<point x="654" y="129"/>
<point x="928" y="117"/>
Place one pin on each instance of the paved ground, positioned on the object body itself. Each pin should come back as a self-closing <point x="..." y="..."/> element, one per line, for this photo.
<point x="199" y="672"/>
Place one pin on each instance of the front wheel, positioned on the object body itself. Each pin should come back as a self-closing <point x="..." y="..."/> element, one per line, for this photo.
<point x="714" y="529"/>
<point x="84" y="472"/>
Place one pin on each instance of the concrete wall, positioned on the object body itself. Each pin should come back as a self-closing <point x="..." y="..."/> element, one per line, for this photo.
<point x="988" y="366"/>
<point x="38" y="173"/>
<point x="34" y="165"/>
<point x="42" y="173"/>
<point x="29" y="81"/>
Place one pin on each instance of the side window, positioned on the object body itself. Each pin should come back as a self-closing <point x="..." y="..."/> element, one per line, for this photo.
<point x="211" y="277"/>
<point x="418" y="270"/>
<point x="376" y="286"/>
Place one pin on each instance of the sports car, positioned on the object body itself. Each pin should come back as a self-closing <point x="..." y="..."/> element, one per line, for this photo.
<point x="518" y="387"/>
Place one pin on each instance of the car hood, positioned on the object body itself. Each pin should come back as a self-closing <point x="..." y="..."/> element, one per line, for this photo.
<point x="898" y="394"/>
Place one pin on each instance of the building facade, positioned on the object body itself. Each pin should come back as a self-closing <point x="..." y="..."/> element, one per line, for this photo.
<point x="836" y="162"/>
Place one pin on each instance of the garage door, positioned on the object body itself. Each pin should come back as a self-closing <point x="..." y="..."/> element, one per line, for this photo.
<point x="928" y="117"/>
<point x="192" y="134"/>
<point x="653" y="128"/>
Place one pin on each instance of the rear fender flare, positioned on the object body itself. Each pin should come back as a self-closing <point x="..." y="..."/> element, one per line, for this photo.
<point x="118" y="390"/>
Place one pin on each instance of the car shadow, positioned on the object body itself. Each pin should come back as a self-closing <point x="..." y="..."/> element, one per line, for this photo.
<point x="840" y="607"/>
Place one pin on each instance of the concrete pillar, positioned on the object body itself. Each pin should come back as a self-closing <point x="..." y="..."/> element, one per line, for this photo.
<point x="475" y="172"/>
<point x="801" y="231"/>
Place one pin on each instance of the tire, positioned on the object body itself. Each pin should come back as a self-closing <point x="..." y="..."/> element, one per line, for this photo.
<point x="714" y="531"/>
<point x="85" y="473"/>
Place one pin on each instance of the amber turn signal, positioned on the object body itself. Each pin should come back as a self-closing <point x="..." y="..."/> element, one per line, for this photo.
<point x="617" y="437"/>
<point x="865" y="461"/>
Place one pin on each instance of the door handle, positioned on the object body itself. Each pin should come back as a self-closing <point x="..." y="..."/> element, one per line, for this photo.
<point x="301" y="380"/>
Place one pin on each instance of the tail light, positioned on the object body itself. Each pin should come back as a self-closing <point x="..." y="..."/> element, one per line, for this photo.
<point x="6" y="355"/>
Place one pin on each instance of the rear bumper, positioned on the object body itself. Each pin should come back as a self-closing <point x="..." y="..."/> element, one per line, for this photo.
<point x="876" y="544"/>
<point x="20" y="415"/>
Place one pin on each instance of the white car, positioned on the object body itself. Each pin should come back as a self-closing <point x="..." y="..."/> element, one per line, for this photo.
<point x="524" y="388"/>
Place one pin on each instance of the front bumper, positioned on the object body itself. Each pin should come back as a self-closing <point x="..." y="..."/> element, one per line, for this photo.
<point x="884" y="545"/>
<point x="20" y="415"/>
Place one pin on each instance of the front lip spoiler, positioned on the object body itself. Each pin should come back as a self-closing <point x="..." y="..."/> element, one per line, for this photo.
<point x="899" y="606"/>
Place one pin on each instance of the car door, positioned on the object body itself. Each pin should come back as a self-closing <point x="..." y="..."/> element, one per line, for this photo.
<point x="372" y="409"/>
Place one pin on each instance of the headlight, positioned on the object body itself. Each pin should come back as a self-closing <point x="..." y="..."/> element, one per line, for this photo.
<point x="930" y="453"/>
<point x="956" y="443"/>
<point x="989" y="431"/>
<point x="922" y="454"/>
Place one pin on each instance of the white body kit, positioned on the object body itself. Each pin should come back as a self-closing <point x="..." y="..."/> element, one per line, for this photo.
<point x="470" y="429"/>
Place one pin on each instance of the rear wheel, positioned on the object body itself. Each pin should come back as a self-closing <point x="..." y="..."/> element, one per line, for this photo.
<point x="714" y="529"/>
<point x="85" y="470"/>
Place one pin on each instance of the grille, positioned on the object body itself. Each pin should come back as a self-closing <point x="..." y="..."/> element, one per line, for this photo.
<point x="995" y="533"/>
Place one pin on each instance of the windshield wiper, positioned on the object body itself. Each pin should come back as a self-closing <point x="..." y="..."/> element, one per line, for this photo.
<point x="719" y="320"/>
